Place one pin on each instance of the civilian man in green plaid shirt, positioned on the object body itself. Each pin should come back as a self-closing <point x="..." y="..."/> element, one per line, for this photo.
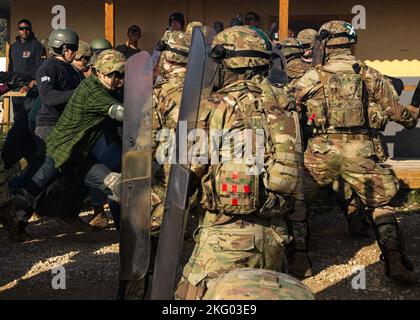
<point x="94" y="106"/>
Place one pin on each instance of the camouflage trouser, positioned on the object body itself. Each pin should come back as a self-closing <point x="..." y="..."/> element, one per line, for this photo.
<point x="358" y="180"/>
<point x="250" y="243"/>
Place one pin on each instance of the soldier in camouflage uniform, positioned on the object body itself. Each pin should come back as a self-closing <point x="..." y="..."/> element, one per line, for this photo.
<point x="300" y="263"/>
<point x="293" y="51"/>
<point x="307" y="40"/>
<point x="243" y="223"/>
<point x="82" y="59"/>
<point x="257" y="284"/>
<point x="347" y="103"/>
<point x="167" y="92"/>
<point x="167" y="97"/>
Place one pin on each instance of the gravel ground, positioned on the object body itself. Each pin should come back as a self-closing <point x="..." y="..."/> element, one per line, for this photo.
<point x="91" y="261"/>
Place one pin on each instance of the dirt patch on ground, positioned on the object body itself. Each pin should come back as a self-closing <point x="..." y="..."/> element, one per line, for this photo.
<point x="91" y="261"/>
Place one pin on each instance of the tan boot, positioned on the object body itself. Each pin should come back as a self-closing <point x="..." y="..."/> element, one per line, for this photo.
<point x="100" y="220"/>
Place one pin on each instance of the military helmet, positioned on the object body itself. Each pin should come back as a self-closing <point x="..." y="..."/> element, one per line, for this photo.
<point x="256" y="284"/>
<point x="191" y="25"/>
<point x="59" y="38"/>
<point x="307" y="38"/>
<point x="291" y="48"/>
<point x="100" y="44"/>
<point x="85" y="50"/>
<point x="174" y="46"/>
<point x="109" y="61"/>
<point x="338" y="33"/>
<point x="242" y="47"/>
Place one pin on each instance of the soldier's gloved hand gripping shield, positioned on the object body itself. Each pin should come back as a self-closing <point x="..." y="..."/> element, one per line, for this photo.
<point x="177" y="199"/>
<point x="136" y="168"/>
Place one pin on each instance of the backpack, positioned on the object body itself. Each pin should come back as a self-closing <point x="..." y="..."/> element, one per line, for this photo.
<point x="251" y="187"/>
<point x="343" y="105"/>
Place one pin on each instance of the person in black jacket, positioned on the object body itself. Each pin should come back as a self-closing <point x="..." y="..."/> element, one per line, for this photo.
<point x="25" y="56"/>
<point x="56" y="80"/>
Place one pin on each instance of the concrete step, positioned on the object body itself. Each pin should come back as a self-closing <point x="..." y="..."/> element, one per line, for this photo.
<point x="407" y="170"/>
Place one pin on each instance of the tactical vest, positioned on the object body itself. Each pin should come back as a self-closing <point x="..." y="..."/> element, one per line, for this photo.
<point x="342" y="102"/>
<point x="233" y="188"/>
<point x="345" y="102"/>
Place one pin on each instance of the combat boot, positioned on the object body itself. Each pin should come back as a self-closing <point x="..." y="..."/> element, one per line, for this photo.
<point x="399" y="268"/>
<point x="9" y="220"/>
<point x="357" y="219"/>
<point x="391" y="242"/>
<point x="301" y="265"/>
<point x="100" y="220"/>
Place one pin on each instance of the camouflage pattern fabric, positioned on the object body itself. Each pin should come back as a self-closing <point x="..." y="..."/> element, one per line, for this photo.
<point x="307" y="37"/>
<point x="349" y="35"/>
<point x="110" y="61"/>
<point x="296" y="68"/>
<point x="346" y="157"/>
<point x="352" y="161"/>
<point x="257" y="243"/>
<point x="309" y="91"/>
<point x="257" y="284"/>
<point x="241" y="38"/>
<point x="190" y="27"/>
<point x="291" y="48"/>
<point x="85" y="50"/>
<point x="293" y="51"/>
<point x="167" y="98"/>
<point x="254" y="239"/>
<point x="175" y="40"/>
<point x="167" y="95"/>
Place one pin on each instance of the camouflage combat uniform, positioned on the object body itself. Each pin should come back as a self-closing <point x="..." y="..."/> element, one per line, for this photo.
<point x="243" y="225"/>
<point x="307" y="39"/>
<point x="293" y="51"/>
<point x="300" y="263"/>
<point x="347" y="102"/>
<point x="167" y="95"/>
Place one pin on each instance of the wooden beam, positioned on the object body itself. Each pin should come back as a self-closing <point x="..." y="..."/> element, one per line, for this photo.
<point x="410" y="88"/>
<point x="283" y="19"/>
<point x="7" y="50"/>
<point x="110" y="21"/>
<point x="6" y="110"/>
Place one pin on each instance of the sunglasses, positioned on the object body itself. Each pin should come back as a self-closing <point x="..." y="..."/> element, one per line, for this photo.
<point x="72" y="47"/>
<point x="25" y="28"/>
<point x="87" y="58"/>
<point x="116" y="75"/>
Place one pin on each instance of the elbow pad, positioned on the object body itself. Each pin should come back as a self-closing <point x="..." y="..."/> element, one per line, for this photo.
<point x="116" y="112"/>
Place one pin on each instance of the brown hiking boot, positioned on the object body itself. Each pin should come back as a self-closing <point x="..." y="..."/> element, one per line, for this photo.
<point x="100" y="220"/>
<point x="398" y="271"/>
<point x="301" y="265"/>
